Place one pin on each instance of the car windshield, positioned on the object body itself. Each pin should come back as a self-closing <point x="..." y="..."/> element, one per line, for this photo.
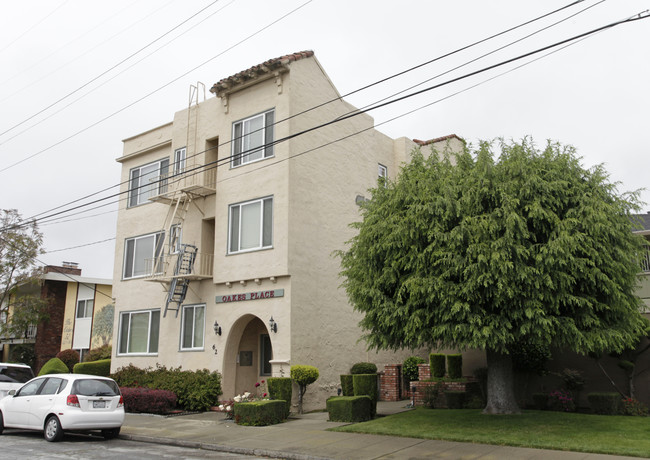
<point x="95" y="387"/>
<point x="15" y="374"/>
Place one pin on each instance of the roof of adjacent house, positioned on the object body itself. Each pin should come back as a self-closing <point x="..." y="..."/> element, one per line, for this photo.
<point x="643" y="220"/>
<point x="252" y="73"/>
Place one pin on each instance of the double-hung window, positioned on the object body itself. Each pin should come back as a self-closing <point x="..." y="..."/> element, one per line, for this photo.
<point x="193" y="325"/>
<point x="139" y="331"/>
<point x="142" y="255"/>
<point x="252" y="139"/>
<point x="179" y="160"/>
<point x="175" y="239"/>
<point x="85" y="308"/>
<point x="147" y="181"/>
<point x="251" y="225"/>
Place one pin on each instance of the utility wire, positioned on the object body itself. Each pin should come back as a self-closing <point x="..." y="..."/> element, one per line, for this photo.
<point x="308" y="130"/>
<point x="106" y="71"/>
<point x="156" y="90"/>
<point x="354" y="91"/>
<point x="34" y="26"/>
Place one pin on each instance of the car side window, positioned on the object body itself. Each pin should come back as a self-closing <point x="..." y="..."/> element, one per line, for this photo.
<point x="51" y="386"/>
<point x="31" y="388"/>
<point x="64" y="383"/>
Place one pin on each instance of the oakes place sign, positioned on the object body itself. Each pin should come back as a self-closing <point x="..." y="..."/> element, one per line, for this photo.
<point x="250" y="296"/>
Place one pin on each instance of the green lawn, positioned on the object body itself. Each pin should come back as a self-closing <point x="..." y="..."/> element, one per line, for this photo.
<point x="603" y="434"/>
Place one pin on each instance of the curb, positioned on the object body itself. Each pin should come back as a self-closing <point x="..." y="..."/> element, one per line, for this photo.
<point x="220" y="448"/>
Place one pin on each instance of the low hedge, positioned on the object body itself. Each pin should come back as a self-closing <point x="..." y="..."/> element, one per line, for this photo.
<point x="455" y="366"/>
<point x="54" y="366"/>
<point x="437" y="364"/>
<point x="148" y="401"/>
<point x="101" y="367"/>
<point x="605" y="403"/>
<point x="347" y="388"/>
<point x="259" y="413"/>
<point x="281" y="388"/>
<point x="366" y="384"/>
<point x="349" y="408"/>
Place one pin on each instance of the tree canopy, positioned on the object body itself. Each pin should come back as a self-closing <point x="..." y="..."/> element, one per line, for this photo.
<point x="469" y="250"/>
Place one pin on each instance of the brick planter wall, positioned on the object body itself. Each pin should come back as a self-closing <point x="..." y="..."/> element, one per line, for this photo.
<point x="389" y="382"/>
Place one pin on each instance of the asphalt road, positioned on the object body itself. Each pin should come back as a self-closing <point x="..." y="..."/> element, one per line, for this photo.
<point x="31" y="445"/>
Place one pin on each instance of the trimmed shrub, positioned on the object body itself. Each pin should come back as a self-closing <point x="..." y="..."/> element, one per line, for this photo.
<point x="349" y="408"/>
<point x="69" y="357"/>
<point x="540" y="401"/>
<point x="195" y="390"/>
<point x="280" y="388"/>
<point x="437" y="363"/>
<point x="561" y="400"/>
<point x="432" y="393"/>
<point x="303" y="376"/>
<point x="103" y="352"/>
<point x="455" y="399"/>
<point x="455" y="366"/>
<point x="363" y="368"/>
<point x="366" y="384"/>
<point x="101" y="367"/>
<point x="148" y="401"/>
<point x="53" y="366"/>
<point x="605" y="403"/>
<point x="347" y="388"/>
<point x="410" y="369"/>
<point x="259" y="413"/>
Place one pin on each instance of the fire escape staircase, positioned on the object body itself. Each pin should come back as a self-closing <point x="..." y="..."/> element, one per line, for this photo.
<point x="180" y="281"/>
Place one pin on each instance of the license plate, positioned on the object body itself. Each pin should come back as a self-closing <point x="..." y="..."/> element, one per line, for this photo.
<point x="99" y="404"/>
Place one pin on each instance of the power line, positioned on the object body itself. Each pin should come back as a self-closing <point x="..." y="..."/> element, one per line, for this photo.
<point x="354" y="91"/>
<point x="80" y="246"/>
<point x="106" y="71"/>
<point x="34" y="26"/>
<point x="156" y="90"/>
<point x="574" y="38"/>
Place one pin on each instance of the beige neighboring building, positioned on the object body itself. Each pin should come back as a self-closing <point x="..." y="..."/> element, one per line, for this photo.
<point x="225" y="238"/>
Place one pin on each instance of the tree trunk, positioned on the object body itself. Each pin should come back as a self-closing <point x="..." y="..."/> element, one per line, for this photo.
<point x="501" y="395"/>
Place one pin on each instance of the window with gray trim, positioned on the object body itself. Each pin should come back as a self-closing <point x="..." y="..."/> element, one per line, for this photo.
<point x="192" y="327"/>
<point x="147" y="181"/>
<point x="250" y="225"/>
<point x="139" y="332"/>
<point x="141" y="255"/>
<point x="252" y="139"/>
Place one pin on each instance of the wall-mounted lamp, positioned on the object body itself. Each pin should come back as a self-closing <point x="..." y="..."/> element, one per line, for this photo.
<point x="217" y="328"/>
<point x="273" y="326"/>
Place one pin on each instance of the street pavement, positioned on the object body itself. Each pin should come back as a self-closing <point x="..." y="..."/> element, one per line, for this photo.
<point x="306" y="437"/>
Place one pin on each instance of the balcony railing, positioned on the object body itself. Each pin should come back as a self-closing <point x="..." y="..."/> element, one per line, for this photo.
<point x="199" y="179"/>
<point x="162" y="268"/>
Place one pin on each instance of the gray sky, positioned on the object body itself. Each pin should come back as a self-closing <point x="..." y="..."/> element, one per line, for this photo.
<point x="67" y="65"/>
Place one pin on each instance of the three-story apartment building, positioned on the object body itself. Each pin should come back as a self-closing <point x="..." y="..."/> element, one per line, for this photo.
<point x="224" y="254"/>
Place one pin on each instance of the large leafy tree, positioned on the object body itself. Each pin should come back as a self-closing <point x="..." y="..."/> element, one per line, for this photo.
<point x="474" y="251"/>
<point x="20" y="245"/>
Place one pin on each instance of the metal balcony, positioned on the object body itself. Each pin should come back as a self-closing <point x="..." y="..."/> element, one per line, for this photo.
<point x="199" y="180"/>
<point x="161" y="269"/>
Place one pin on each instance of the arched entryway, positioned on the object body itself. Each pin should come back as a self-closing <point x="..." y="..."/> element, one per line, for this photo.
<point x="247" y="355"/>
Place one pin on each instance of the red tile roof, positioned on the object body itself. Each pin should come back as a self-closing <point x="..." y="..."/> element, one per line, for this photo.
<point x="257" y="70"/>
<point x="438" y="139"/>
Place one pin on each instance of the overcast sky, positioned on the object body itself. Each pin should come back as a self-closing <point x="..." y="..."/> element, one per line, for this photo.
<point x="77" y="77"/>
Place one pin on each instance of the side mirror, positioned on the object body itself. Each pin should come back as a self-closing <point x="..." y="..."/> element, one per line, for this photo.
<point x="11" y="392"/>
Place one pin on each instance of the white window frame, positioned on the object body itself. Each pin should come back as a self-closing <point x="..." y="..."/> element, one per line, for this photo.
<point x="263" y="243"/>
<point x="175" y="238"/>
<point x="241" y="136"/>
<point x="193" y="346"/>
<point x="180" y="155"/>
<point x="139" y="192"/>
<point x="158" y="243"/>
<point x="382" y="171"/>
<point x="88" y="304"/>
<point x="128" y="315"/>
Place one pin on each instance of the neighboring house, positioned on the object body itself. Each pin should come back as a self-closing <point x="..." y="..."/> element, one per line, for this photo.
<point x="80" y="314"/>
<point x="238" y="226"/>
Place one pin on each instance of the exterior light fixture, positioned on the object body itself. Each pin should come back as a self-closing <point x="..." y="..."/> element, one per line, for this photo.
<point x="273" y="326"/>
<point x="217" y="328"/>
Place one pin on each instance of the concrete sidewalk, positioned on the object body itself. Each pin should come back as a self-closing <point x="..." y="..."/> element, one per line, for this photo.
<point x="305" y="437"/>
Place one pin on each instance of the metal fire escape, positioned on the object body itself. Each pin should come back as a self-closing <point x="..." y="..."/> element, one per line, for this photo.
<point x="180" y="281"/>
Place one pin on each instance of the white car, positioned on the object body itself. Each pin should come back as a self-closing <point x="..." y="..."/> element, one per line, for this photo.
<point x="13" y="376"/>
<point x="56" y="403"/>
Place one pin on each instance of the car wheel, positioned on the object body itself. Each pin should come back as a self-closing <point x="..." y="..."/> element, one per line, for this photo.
<point x="53" y="431"/>
<point x="111" y="433"/>
<point x="2" y="423"/>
